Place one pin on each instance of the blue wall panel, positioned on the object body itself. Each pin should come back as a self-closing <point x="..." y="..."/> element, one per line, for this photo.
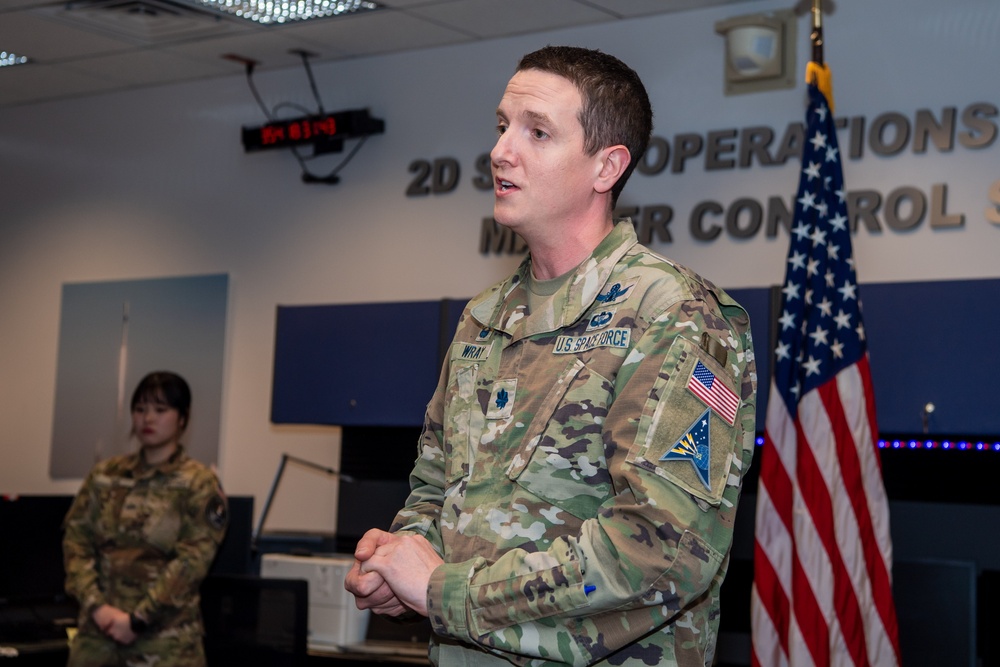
<point x="377" y="364"/>
<point x="355" y="365"/>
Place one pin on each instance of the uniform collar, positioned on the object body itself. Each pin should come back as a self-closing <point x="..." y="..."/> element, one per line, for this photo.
<point x="142" y="469"/>
<point x="505" y="309"/>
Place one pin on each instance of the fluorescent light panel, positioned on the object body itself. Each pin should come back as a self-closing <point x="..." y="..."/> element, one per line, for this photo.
<point x="285" y="11"/>
<point x="7" y="59"/>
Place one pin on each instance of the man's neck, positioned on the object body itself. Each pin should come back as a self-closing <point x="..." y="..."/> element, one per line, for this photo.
<point x="552" y="257"/>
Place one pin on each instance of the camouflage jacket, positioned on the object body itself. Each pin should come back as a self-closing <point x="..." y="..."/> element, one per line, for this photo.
<point x="142" y="538"/>
<point x="579" y="485"/>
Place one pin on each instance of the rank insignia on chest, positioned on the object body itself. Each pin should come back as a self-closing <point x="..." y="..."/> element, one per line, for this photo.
<point x="501" y="404"/>
<point x="694" y="447"/>
<point x="616" y="292"/>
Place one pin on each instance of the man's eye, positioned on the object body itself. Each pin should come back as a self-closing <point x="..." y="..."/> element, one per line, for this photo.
<point x="501" y="129"/>
<point x="538" y="134"/>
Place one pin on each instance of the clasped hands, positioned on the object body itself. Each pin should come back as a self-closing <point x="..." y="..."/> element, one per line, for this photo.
<point x="391" y="573"/>
<point x="114" y="623"/>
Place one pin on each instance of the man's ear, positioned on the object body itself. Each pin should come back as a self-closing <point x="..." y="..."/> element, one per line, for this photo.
<point x="614" y="161"/>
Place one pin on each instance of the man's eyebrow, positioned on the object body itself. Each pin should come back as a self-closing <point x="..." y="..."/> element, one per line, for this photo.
<point x="537" y="117"/>
<point x="529" y="115"/>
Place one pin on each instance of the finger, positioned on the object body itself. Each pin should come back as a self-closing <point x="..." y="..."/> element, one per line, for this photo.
<point x="353" y="578"/>
<point x="368" y="543"/>
<point x="392" y="609"/>
<point x="364" y="585"/>
<point x="379" y="596"/>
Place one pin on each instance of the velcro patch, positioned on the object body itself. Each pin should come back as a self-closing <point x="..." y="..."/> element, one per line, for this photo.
<point x="600" y="319"/>
<point x="216" y="513"/>
<point x="617" y="292"/>
<point x="695" y="447"/>
<point x="713" y="392"/>
<point x="501" y="404"/>
<point x="618" y="337"/>
<point x="474" y="351"/>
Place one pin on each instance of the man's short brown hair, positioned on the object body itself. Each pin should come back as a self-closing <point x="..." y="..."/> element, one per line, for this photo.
<point x="616" y="108"/>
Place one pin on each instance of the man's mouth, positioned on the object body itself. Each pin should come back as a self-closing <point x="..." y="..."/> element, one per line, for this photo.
<point x="503" y="185"/>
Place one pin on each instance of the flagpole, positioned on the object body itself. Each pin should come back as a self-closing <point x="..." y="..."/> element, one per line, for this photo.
<point x="817" y="32"/>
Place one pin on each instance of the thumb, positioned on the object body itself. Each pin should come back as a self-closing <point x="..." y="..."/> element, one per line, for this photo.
<point x="371" y="541"/>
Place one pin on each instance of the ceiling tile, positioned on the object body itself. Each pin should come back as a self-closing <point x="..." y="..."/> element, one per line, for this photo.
<point x="488" y="18"/>
<point x="377" y="32"/>
<point x="91" y="54"/>
<point x="405" y="4"/>
<point x="632" y="8"/>
<point x="34" y="83"/>
<point x="268" y="46"/>
<point x="45" y="40"/>
<point x="7" y="5"/>
<point x="148" y="67"/>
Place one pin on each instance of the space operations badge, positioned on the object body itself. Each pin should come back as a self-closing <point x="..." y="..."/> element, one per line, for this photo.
<point x="618" y="337"/>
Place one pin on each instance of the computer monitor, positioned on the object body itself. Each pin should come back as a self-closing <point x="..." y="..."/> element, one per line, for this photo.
<point x="31" y="557"/>
<point x="255" y="622"/>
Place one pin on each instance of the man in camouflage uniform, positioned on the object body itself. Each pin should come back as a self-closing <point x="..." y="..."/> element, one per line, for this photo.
<point x="141" y="538"/>
<point x="579" y="470"/>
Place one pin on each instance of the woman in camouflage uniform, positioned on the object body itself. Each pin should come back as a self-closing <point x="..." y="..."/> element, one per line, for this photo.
<point x="139" y="540"/>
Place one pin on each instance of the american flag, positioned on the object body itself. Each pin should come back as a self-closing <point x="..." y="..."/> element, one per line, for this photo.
<point x="716" y="395"/>
<point x="823" y="555"/>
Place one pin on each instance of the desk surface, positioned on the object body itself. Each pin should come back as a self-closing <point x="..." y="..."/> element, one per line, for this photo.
<point x="46" y="653"/>
<point x="399" y="652"/>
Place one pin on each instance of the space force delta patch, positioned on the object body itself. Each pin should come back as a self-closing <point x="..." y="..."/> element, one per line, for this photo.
<point x="617" y="337"/>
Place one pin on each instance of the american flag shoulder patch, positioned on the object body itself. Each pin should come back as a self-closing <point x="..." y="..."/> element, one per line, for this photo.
<point x="714" y="393"/>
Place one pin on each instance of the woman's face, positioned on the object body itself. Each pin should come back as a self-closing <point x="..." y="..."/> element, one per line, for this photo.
<point x="156" y="424"/>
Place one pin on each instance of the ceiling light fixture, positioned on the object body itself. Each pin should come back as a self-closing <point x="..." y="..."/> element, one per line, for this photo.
<point x="8" y="59"/>
<point x="271" y="12"/>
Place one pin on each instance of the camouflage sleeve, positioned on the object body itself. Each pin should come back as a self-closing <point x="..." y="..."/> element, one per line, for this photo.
<point x="204" y="525"/>
<point x="79" y="550"/>
<point x="657" y="544"/>
<point x="423" y="506"/>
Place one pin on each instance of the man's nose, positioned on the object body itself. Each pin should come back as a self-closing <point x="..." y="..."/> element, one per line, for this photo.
<point x="503" y="151"/>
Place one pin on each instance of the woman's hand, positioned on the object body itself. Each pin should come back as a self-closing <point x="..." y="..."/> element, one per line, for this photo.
<point x="114" y="623"/>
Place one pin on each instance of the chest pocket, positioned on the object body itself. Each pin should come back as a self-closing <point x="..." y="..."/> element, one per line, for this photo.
<point x="463" y="420"/>
<point x="162" y="525"/>
<point x="561" y="459"/>
<point x="109" y="499"/>
<point x="142" y="514"/>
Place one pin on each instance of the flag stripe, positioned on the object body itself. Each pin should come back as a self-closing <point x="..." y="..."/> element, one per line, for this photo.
<point x="829" y="521"/>
<point x="773" y="649"/>
<point x="877" y="586"/>
<point x="822" y="591"/>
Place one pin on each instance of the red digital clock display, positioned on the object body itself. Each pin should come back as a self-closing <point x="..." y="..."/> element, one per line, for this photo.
<point x="312" y="130"/>
<point x="280" y="134"/>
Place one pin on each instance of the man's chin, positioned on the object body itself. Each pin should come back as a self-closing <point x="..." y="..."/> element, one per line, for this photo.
<point x="503" y="218"/>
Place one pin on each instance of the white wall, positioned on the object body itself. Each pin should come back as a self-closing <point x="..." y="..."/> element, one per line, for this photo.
<point x="89" y="192"/>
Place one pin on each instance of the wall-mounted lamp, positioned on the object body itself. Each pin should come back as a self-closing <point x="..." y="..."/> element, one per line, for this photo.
<point x="925" y="416"/>
<point x="760" y="52"/>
